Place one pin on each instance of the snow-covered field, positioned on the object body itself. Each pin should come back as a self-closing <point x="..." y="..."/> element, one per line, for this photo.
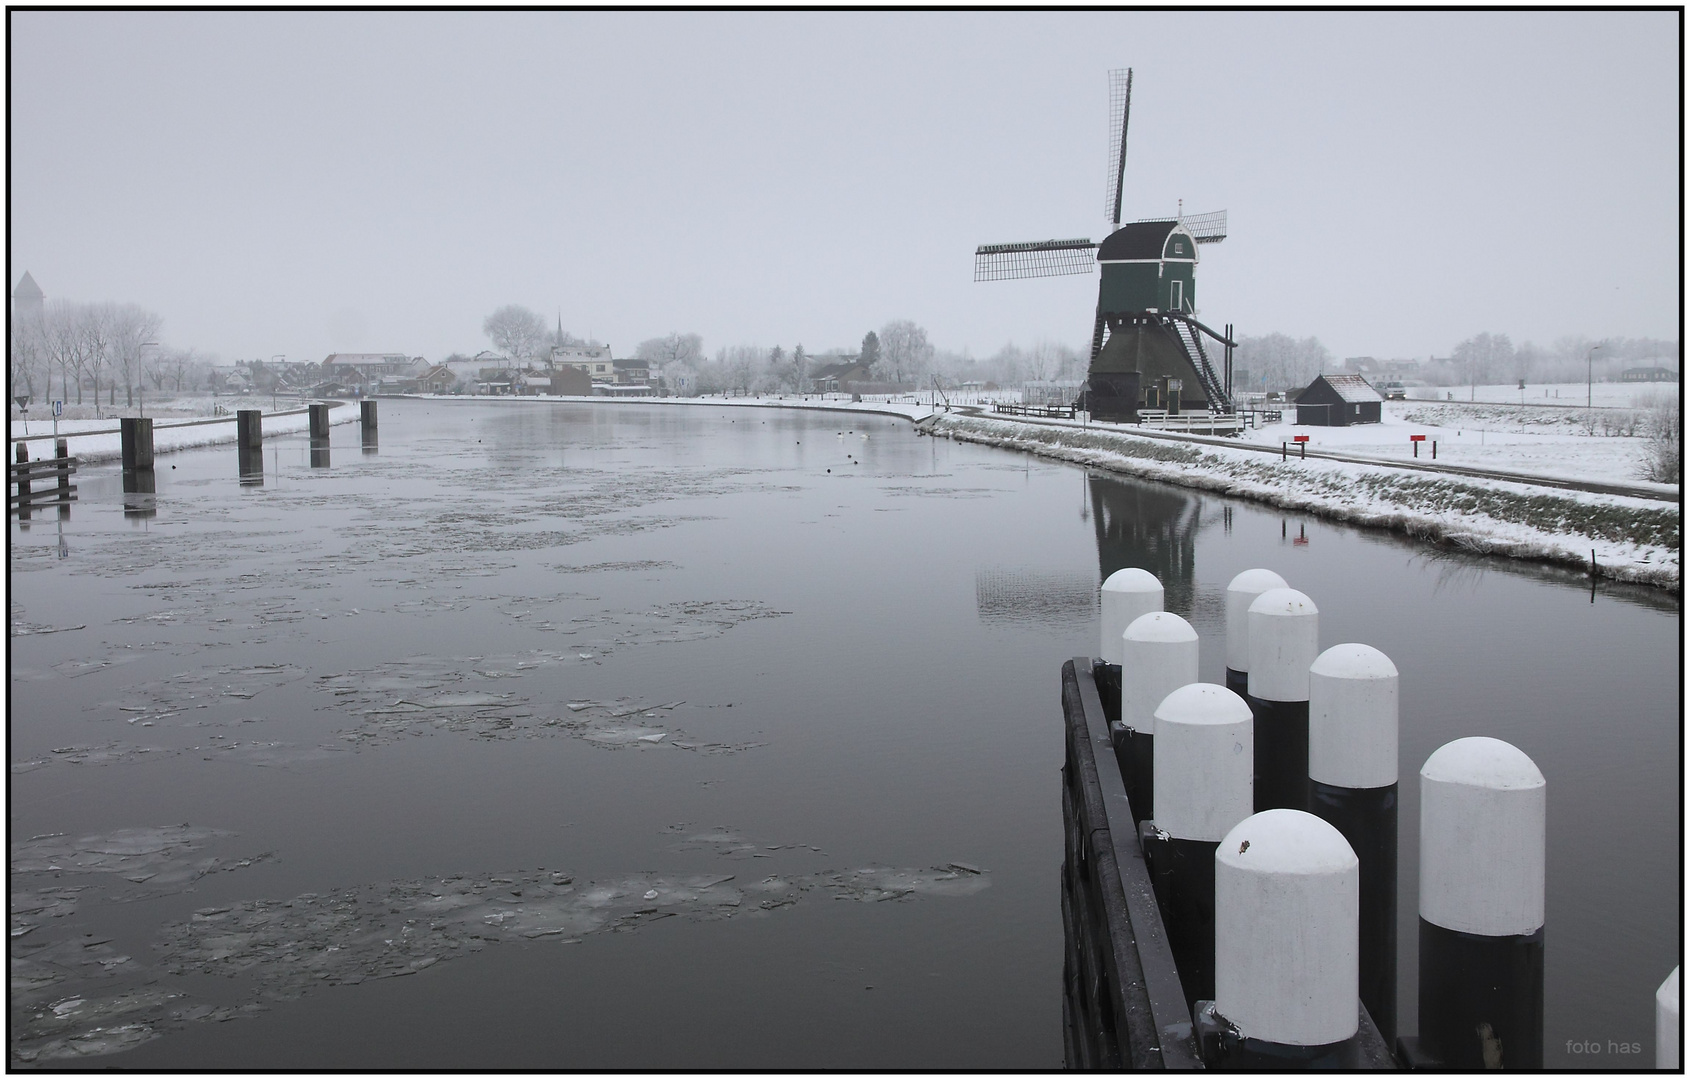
<point x="1609" y="395"/>
<point x="1555" y="442"/>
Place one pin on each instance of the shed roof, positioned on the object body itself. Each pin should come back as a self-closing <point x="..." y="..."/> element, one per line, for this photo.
<point x="1138" y="240"/>
<point x="1351" y="388"/>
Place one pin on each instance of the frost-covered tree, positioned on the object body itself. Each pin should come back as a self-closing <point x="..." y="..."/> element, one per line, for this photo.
<point x="1484" y="358"/>
<point x="870" y="354"/>
<point x="905" y="354"/>
<point x="515" y="331"/>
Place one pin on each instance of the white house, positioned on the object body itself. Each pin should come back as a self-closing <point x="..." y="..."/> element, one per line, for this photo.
<point x="593" y="359"/>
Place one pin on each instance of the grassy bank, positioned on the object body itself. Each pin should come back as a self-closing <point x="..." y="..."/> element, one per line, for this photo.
<point x="1635" y="540"/>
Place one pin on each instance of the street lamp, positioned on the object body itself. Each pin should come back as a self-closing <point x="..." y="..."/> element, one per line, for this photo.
<point x="141" y="400"/>
<point x="1590" y="373"/>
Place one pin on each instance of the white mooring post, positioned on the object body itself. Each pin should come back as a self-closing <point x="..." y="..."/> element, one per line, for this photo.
<point x="1353" y="786"/>
<point x="1667" y="1023"/>
<point x="1240" y="594"/>
<point x="1482" y="805"/>
<point x="1125" y="596"/>
<point x="1284" y="628"/>
<point x="1286" y="896"/>
<point x="1158" y="656"/>
<point x="1202" y="762"/>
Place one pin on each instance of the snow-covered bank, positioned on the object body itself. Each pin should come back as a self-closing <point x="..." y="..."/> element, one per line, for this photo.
<point x="1634" y="539"/>
<point x="93" y="441"/>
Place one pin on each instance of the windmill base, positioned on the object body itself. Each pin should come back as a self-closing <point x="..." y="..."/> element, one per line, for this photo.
<point x="1113" y="396"/>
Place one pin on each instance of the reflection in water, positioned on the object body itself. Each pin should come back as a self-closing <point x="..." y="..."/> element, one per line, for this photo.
<point x="1034" y="598"/>
<point x="1150" y="527"/>
<point x="320" y="453"/>
<point x="251" y="466"/>
<point x="139" y="502"/>
<point x="369" y="440"/>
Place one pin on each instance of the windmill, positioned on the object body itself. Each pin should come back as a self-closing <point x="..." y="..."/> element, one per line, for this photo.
<point x="1154" y="353"/>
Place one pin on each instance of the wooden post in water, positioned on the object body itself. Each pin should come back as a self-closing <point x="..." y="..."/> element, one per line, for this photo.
<point x="1240" y="594"/>
<point x="319" y="412"/>
<point x="1285" y="946"/>
<point x="61" y="452"/>
<point x="1158" y="656"/>
<point x="367" y="415"/>
<point x="249" y="433"/>
<point x="1203" y="752"/>
<point x="137" y="435"/>
<point x="1667" y="1023"/>
<point x="1482" y="806"/>
<point x="1353" y="787"/>
<point x="1125" y="596"/>
<point x="23" y="482"/>
<point x="1284" y="641"/>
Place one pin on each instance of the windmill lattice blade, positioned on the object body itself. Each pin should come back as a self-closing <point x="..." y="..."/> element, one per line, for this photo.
<point x="1042" y="258"/>
<point x="1206" y="228"/>
<point x="1120" y="111"/>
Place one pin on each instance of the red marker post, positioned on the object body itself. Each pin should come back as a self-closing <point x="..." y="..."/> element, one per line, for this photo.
<point x="1302" y="442"/>
<point x="1415" y="441"/>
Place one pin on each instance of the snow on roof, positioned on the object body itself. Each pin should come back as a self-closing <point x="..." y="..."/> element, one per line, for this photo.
<point x="1352" y="387"/>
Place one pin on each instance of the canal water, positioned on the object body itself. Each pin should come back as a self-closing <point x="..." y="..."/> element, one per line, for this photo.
<point x="643" y="736"/>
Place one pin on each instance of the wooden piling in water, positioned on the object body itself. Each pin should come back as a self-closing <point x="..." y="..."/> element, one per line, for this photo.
<point x="319" y="412"/>
<point x="249" y="425"/>
<point x="367" y="415"/>
<point x="136" y="433"/>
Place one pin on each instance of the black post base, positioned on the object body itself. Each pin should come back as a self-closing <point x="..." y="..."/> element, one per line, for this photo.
<point x="1282" y="754"/>
<point x="1481" y="999"/>
<point x="1368" y="819"/>
<point x="1183" y="874"/>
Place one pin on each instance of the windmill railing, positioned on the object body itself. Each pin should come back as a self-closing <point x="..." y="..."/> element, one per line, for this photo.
<point x="1190" y="333"/>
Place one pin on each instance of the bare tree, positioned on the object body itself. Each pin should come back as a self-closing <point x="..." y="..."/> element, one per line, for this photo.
<point x="131" y="329"/>
<point x="26" y="357"/>
<point x="515" y="331"/>
<point x="676" y="348"/>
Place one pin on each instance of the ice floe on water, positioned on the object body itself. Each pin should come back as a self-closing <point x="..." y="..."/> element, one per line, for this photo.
<point x="75" y="995"/>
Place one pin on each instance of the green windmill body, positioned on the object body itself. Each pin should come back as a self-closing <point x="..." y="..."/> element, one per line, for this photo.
<point x="1147" y="348"/>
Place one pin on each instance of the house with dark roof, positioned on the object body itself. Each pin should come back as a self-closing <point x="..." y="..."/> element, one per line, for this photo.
<point x="1339" y="401"/>
<point x="838" y="378"/>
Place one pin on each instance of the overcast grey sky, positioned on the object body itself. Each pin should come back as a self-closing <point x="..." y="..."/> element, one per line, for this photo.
<point x="307" y="182"/>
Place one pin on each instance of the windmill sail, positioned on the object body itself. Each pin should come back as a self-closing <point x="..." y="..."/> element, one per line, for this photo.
<point x="1120" y="111"/>
<point x="1206" y="228"/>
<point x="1042" y="258"/>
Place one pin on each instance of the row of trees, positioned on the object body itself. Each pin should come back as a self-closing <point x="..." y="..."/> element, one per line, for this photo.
<point x="75" y="346"/>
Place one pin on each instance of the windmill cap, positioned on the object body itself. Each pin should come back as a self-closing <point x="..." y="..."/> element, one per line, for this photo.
<point x="1256" y="581"/>
<point x="1160" y="626"/>
<point x="1353" y="661"/>
<point x="1132" y="579"/>
<point x="1286" y="842"/>
<point x="1202" y="703"/>
<point x="1482" y="762"/>
<point x="1287" y="602"/>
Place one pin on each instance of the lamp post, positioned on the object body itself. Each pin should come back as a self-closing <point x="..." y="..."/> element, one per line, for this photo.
<point x="1590" y="374"/>
<point x="141" y="401"/>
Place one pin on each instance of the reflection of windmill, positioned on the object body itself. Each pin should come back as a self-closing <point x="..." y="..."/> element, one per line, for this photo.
<point x="1146" y="299"/>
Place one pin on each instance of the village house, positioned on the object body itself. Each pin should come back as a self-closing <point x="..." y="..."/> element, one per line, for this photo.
<point x="362" y="369"/>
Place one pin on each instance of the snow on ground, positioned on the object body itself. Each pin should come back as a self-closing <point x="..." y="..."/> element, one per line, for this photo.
<point x="1610" y="395"/>
<point x="1553" y="442"/>
<point x="90" y="439"/>
<point x="1634" y="539"/>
